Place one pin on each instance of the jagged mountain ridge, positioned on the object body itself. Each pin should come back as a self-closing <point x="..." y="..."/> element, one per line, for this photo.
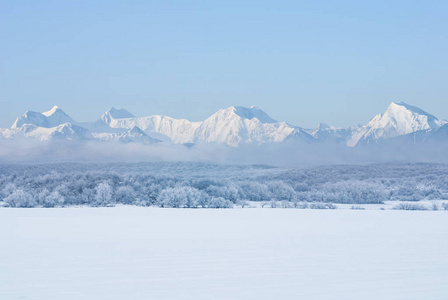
<point x="134" y="134"/>
<point x="233" y="126"/>
<point x="48" y="119"/>
<point x="399" y="119"/>
<point x="63" y="131"/>
<point x="113" y="113"/>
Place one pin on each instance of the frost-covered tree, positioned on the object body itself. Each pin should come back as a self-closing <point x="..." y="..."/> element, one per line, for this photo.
<point x="285" y="204"/>
<point x="265" y="203"/>
<point x="47" y="199"/>
<point x="219" y="202"/>
<point x="125" y="195"/>
<point x="229" y="192"/>
<point x="8" y="189"/>
<point x="20" y="198"/>
<point x="103" y="194"/>
<point x="56" y="199"/>
<point x="280" y="190"/>
<point x="255" y="191"/>
<point x="182" y="196"/>
<point x="352" y="191"/>
<point x="300" y="205"/>
<point x="195" y="184"/>
<point x="87" y="196"/>
<point x="243" y="203"/>
<point x="410" y="206"/>
<point x="42" y="197"/>
<point x="322" y="206"/>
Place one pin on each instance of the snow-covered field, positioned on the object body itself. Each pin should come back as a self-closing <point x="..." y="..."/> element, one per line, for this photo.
<point x="153" y="253"/>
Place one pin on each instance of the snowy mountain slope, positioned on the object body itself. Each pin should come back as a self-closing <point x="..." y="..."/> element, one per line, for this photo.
<point x="328" y="134"/>
<point x="233" y="126"/>
<point x="251" y="113"/>
<point x="356" y="135"/>
<point x="63" y="131"/>
<point x="441" y="134"/>
<point x="398" y="119"/>
<point x="48" y="119"/>
<point x="236" y="125"/>
<point x="114" y="113"/>
<point x="102" y="125"/>
<point x="55" y="124"/>
<point x="177" y="130"/>
<point x="134" y="135"/>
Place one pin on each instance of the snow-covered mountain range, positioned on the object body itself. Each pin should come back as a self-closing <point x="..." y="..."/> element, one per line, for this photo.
<point x="233" y="126"/>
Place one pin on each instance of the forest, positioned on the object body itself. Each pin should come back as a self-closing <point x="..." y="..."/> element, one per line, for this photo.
<point x="207" y="185"/>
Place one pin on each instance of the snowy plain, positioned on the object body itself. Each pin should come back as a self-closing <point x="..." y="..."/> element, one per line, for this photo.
<point x="155" y="253"/>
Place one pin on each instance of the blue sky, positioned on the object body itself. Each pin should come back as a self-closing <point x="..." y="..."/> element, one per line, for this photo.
<point x="338" y="62"/>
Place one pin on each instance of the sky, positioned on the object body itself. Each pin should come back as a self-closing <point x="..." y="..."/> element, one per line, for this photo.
<point x="303" y="62"/>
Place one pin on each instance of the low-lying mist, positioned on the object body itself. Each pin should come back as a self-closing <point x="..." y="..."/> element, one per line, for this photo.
<point x="289" y="153"/>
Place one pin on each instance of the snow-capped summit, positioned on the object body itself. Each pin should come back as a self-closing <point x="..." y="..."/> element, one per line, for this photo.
<point x="114" y="113"/>
<point x="322" y="126"/>
<point x="242" y="112"/>
<point x="66" y="131"/>
<point x="52" y="111"/>
<point x="48" y="119"/>
<point x="398" y="119"/>
<point x="411" y="116"/>
<point x="55" y="111"/>
<point x="236" y="125"/>
<point x="250" y="113"/>
<point x="232" y="126"/>
<point x="161" y="127"/>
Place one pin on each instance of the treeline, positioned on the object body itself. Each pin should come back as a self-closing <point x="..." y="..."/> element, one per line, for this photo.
<point x="200" y="185"/>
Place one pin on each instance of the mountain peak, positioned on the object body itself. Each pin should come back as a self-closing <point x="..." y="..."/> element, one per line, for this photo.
<point x="135" y="134"/>
<point x="251" y="113"/>
<point x="398" y="119"/>
<point x="322" y="126"/>
<point x="113" y="113"/>
<point x="395" y="107"/>
<point x="54" y="110"/>
<point x="48" y="119"/>
<point x="119" y="113"/>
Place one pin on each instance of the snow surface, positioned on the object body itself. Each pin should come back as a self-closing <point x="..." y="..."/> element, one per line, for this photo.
<point x="148" y="253"/>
